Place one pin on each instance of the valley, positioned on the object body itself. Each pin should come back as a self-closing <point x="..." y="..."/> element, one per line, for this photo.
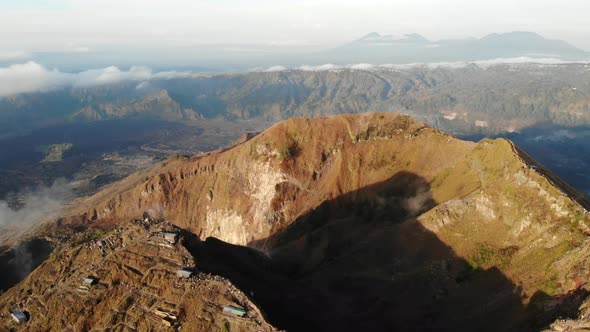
<point x="103" y="152"/>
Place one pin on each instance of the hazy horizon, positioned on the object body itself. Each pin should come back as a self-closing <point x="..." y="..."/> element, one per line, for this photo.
<point x="69" y="26"/>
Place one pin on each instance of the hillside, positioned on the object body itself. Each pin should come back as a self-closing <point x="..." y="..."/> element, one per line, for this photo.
<point x="468" y="99"/>
<point x="158" y="105"/>
<point x="357" y="222"/>
<point x="136" y="287"/>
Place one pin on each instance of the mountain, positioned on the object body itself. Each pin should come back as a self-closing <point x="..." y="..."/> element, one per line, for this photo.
<point x="374" y="38"/>
<point x="352" y="222"/>
<point x="524" y="102"/>
<point x="372" y="48"/>
<point x="133" y="284"/>
<point x="158" y="105"/>
<point x="470" y="99"/>
<point x="23" y="112"/>
<point x="378" y="49"/>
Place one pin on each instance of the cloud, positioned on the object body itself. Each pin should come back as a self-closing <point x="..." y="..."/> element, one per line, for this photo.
<point x="29" y="77"/>
<point x="524" y="60"/>
<point x="37" y="205"/>
<point x="13" y="56"/>
<point x="276" y="68"/>
<point x="142" y="85"/>
<point x="416" y="204"/>
<point x="483" y="63"/>
<point x="325" y="67"/>
<point x="33" y="77"/>
<point x="431" y="65"/>
<point x="109" y="75"/>
<point x="21" y="263"/>
<point x="362" y="66"/>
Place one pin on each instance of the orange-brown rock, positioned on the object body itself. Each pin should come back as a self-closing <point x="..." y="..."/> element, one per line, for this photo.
<point x="252" y="190"/>
<point x="370" y="222"/>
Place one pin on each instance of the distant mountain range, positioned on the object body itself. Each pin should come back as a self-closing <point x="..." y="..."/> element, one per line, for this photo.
<point x="469" y="99"/>
<point x="409" y="48"/>
<point x="374" y="48"/>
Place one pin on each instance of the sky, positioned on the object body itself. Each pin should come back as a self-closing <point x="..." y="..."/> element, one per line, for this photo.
<point x="81" y="26"/>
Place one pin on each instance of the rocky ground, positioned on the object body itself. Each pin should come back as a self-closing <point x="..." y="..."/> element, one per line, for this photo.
<point x="579" y="324"/>
<point x="137" y="287"/>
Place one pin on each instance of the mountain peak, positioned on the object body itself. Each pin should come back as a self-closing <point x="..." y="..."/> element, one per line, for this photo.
<point x="417" y="36"/>
<point x="520" y="35"/>
<point x="378" y="48"/>
<point x="371" y="35"/>
<point x="392" y="38"/>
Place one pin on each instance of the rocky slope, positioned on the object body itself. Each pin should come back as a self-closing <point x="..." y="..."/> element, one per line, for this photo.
<point x="257" y="188"/>
<point x="367" y="222"/>
<point x="158" y="105"/>
<point x="137" y="287"/>
<point x="581" y="323"/>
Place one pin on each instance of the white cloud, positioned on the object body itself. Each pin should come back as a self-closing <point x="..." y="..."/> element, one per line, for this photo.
<point x="362" y="66"/>
<point x="168" y="75"/>
<point x="12" y="56"/>
<point x="432" y="65"/>
<point x="39" y="204"/>
<point x="33" y="77"/>
<point x="142" y="85"/>
<point x="275" y="68"/>
<point x="109" y="75"/>
<point x="327" y="66"/>
<point x="29" y="77"/>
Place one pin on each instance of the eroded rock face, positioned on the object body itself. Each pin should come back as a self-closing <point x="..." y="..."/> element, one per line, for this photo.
<point x="248" y="192"/>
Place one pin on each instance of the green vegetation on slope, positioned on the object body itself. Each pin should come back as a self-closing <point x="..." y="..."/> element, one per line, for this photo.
<point x="54" y="152"/>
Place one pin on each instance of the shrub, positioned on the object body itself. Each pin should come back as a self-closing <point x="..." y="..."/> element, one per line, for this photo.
<point x="290" y="151"/>
<point x="93" y="235"/>
<point x="487" y="256"/>
<point x="226" y="326"/>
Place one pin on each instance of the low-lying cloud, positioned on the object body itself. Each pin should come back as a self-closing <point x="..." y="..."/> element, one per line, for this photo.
<point x="276" y="68"/>
<point x="432" y="65"/>
<point x="37" y="205"/>
<point x="33" y="77"/>
<point x="14" y="55"/>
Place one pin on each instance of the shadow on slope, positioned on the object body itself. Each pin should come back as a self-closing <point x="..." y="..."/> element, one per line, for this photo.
<point x="361" y="262"/>
<point x="17" y="262"/>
